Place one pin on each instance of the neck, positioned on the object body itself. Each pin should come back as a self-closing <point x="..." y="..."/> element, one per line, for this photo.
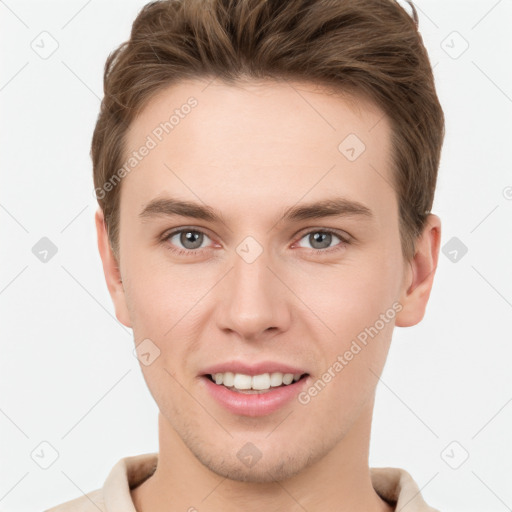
<point x="340" y="481"/>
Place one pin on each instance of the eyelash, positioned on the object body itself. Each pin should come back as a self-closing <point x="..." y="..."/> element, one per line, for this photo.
<point x="192" y="252"/>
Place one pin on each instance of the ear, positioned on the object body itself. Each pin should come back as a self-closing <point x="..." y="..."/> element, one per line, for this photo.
<point x="419" y="277"/>
<point x="111" y="271"/>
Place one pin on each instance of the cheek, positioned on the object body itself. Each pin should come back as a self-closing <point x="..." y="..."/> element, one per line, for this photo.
<point x="351" y="297"/>
<point x="165" y="307"/>
<point x="354" y="357"/>
<point x="159" y="293"/>
<point x="357" y="303"/>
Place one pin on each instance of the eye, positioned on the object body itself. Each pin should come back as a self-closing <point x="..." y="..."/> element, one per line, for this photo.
<point x="321" y="240"/>
<point x="190" y="239"/>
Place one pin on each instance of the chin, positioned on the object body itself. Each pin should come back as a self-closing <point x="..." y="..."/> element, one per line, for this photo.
<point x="263" y="473"/>
<point x="249" y="464"/>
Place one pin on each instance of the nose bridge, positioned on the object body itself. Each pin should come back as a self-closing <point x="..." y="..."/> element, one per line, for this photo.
<point x="253" y="301"/>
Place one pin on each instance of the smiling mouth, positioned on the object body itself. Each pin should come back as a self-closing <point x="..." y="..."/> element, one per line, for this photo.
<point x="249" y="390"/>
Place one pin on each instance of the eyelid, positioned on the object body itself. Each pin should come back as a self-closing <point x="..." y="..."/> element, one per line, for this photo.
<point x="343" y="235"/>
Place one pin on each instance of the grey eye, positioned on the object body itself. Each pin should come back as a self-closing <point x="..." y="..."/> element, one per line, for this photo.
<point x="189" y="239"/>
<point x="320" y="239"/>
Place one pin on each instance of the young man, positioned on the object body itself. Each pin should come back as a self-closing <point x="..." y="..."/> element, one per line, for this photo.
<point x="265" y="172"/>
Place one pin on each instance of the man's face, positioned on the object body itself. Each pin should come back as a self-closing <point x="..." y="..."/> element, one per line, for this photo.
<point x="256" y="286"/>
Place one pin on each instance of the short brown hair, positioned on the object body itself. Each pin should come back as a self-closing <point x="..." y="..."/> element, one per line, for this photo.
<point x="371" y="48"/>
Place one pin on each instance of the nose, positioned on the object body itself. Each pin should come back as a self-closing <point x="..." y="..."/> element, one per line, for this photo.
<point x="254" y="301"/>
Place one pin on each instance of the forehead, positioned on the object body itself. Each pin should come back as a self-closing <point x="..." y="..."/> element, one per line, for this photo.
<point x="258" y="143"/>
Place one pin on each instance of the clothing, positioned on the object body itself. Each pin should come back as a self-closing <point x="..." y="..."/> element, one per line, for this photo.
<point x="392" y="484"/>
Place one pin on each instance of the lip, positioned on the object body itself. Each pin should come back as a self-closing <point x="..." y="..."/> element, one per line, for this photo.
<point x="252" y="369"/>
<point x="254" y="404"/>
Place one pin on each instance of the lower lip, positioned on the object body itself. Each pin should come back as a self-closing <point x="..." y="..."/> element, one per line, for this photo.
<point x="254" y="404"/>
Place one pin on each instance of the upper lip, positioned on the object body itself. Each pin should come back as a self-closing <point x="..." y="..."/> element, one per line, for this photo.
<point x="252" y="368"/>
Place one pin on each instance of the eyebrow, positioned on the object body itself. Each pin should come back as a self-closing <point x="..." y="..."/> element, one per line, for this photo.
<point x="330" y="207"/>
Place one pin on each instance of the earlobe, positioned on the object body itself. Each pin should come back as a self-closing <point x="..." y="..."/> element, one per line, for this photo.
<point x="419" y="279"/>
<point x="111" y="271"/>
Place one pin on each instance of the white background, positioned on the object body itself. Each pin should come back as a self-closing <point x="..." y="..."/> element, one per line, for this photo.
<point x="68" y="375"/>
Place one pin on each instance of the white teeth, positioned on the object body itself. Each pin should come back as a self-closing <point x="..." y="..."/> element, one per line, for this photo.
<point x="287" y="378"/>
<point x="261" y="381"/>
<point x="276" y="379"/>
<point x="228" y="378"/>
<point x="242" y="381"/>
<point x="257" y="382"/>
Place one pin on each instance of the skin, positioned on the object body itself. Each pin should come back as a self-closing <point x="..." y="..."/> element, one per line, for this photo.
<point x="249" y="151"/>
